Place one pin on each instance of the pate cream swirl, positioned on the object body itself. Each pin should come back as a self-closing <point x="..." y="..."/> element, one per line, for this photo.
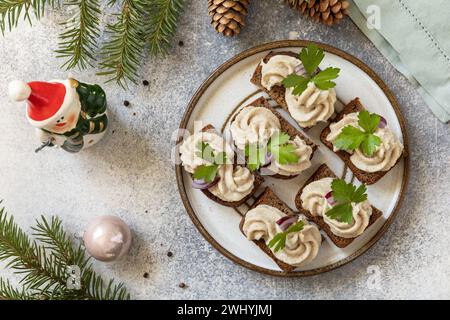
<point x="235" y="183"/>
<point x="384" y="157"/>
<point x="254" y="125"/>
<point x="311" y="106"/>
<point x="276" y="69"/>
<point x="303" y="151"/>
<point x="189" y="149"/>
<point x="313" y="200"/>
<point x="301" y="247"/>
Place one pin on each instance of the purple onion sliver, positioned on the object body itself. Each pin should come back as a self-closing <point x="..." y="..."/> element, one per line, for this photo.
<point x="268" y="158"/>
<point x="329" y="197"/>
<point x="383" y="123"/>
<point x="299" y="70"/>
<point x="283" y="219"/>
<point x="285" y="225"/>
<point x="199" y="184"/>
<point x="202" y="185"/>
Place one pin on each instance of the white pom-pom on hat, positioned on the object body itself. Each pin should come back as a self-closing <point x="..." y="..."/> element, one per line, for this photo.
<point x="19" y="90"/>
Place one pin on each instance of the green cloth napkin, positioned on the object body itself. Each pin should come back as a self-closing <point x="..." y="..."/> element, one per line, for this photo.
<point x="414" y="35"/>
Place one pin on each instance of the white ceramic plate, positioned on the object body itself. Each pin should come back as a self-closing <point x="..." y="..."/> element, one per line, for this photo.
<point x="228" y="88"/>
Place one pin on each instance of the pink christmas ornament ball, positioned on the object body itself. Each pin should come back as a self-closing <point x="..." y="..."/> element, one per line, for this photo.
<point x="107" y="238"/>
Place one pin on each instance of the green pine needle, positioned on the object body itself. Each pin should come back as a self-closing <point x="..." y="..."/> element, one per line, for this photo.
<point x="8" y="292"/>
<point x="43" y="264"/>
<point x="12" y="11"/>
<point x="139" y="24"/>
<point x="78" y="42"/>
<point x="124" y="52"/>
<point x="163" y="24"/>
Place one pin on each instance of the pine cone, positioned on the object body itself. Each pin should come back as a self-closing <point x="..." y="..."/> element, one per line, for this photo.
<point x="228" y="16"/>
<point x="328" y="12"/>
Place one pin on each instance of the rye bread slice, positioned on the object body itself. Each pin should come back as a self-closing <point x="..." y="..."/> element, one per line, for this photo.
<point x="258" y="181"/>
<point x="363" y="176"/>
<point x="324" y="172"/>
<point x="285" y="126"/>
<point x="277" y="92"/>
<point x="269" y="198"/>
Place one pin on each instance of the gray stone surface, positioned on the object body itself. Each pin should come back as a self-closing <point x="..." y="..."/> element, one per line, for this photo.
<point x="129" y="173"/>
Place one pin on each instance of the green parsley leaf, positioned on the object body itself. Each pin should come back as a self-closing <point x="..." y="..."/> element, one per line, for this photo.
<point x="323" y="79"/>
<point x="341" y="190"/>
<point x="276" y="239"/>
<point x="370" y="144"/>
<point x="341" y="212"/>
<point x="279" y="240"/>
<point x="285" y="154"/>
<point x="347" y="192"/>
<point x="256" y="156"/>
<point x="278" y="138"/>
<point x="369" y="122"/>
<point x="360" y="194"/>
<point x="296" y="227"/>
<point x="344" y="194"/>
<point x="311" y="57"/>
<point x="352" y="138"/>
<point x="299" y="83"/>
<point x="206" y="173"/>
<point x="206" y="152"/>
<point x="282" y="151"/>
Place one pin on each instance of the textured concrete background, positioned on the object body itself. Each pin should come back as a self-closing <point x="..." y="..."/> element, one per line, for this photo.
<point x="129" y="174"/>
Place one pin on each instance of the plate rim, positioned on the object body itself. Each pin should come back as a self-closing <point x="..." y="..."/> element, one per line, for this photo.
<point x="278" y="45"/>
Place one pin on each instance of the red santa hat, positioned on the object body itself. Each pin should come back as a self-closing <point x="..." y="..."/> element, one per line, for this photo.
<point x="44" y="99"/>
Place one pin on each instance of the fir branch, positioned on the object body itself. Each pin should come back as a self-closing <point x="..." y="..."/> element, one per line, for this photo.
<point x="26" y="257"/>
<point x="93" y="287"/>
<point x="44" y="262"/>
<point x="8" y="292"/>
<point x="163" y="24"/>
<point x="12" y="11"/>
<point x="78" y="42"/>
<point x="123" y="53"/>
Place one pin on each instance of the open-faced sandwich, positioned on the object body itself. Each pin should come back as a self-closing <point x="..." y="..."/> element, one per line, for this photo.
<point x="270" y="141"/>
<point x="364" y="142"/>
<point x="291" y="241"/>
<point x="337" y="207"/>
<point x="297" y="84"/>
<point x="211" y="161"/>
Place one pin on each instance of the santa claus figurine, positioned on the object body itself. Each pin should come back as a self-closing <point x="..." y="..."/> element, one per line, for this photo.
<point x="66" y="113"/>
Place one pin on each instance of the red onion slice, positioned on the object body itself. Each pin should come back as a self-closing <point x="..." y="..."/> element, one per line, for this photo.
<point x="267" y="159"/>
<point x="286" y="222"/>
<point x="202" y="185"/>
<point x="383" y="123"/>
<point x="299" y="70"/>
<point x="330" y="199"/>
